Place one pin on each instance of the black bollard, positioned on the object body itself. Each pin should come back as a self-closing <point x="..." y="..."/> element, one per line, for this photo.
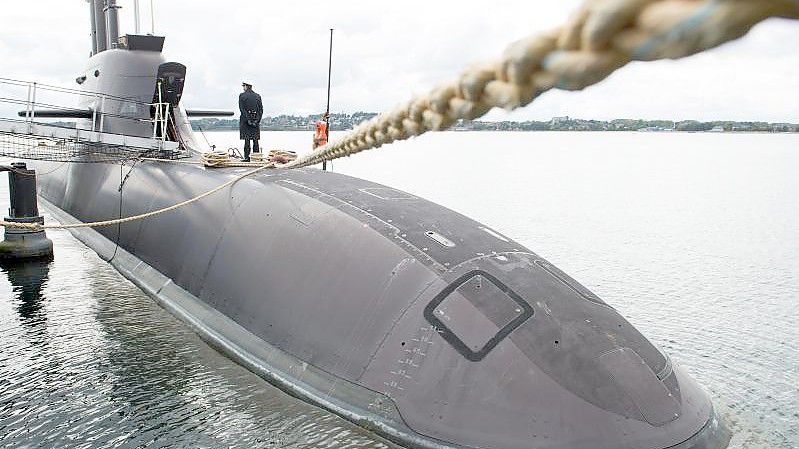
<point x="24" y="243"/>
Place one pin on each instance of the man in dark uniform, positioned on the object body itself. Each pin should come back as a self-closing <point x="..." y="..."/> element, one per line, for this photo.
<point x="252" y="110"/>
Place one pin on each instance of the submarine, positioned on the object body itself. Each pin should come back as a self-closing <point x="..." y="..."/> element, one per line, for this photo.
<point x="406" y="318"/>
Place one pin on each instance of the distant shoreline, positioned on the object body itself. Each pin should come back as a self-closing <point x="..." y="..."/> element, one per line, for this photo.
<point x="526" y="131"/>
<point x="345" y="122"/>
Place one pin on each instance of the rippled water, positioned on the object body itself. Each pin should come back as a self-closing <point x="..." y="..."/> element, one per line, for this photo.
<point x="693" y="237"/>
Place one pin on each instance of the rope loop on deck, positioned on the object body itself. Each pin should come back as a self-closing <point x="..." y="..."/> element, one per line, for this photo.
<point x="601" y="37"/>
<point x="221" y="159"/>
<point x="215" y="159"/>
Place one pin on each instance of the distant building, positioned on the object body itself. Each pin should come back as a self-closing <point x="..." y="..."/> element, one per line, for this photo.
<point x="559" y="120"/>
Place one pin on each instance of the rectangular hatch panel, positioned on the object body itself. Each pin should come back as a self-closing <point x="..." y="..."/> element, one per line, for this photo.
<point x="476" y="312"/>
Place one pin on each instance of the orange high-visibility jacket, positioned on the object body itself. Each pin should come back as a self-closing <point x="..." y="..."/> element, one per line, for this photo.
<point x="320" y="135"/>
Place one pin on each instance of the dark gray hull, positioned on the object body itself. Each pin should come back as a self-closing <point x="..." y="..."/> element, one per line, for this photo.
<point x="396" y="313"/>
<point x="393" y="312"/>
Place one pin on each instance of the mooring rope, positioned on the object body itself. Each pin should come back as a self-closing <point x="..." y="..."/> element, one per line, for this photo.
<point x="216" y="159"/>
<point x="601" y="37"/>
<point x="97" y="224"/>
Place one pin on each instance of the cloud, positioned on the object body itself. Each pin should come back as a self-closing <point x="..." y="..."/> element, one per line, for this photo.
<point x="388" y="51"/>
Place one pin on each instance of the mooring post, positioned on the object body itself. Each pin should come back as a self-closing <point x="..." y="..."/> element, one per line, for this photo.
<point x="22" y="243"/>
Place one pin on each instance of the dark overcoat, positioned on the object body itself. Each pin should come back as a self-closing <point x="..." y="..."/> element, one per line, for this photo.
<point x="252" y="110"/>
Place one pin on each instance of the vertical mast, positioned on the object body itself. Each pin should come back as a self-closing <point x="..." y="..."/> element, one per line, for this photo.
<point x="93" y="24"/>
<point x="112" y="23"/>
<point x="136" y="17"/>
<point x="329" y="70"/>
<point x="100" y="43"/>
<point x="329" y="75"/>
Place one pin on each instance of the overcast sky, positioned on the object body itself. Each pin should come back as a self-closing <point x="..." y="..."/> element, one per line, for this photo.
<point x="384" y="52"/>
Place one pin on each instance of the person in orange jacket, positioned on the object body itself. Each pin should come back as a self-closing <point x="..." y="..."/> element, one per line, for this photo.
<point x="320" y="132"/>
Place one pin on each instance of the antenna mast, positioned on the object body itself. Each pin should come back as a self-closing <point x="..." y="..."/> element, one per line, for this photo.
<point x="329" y="75"/>
<point x="152" y="18"/>
<point x="136" y="17"/>
<point x="329" y="70"/>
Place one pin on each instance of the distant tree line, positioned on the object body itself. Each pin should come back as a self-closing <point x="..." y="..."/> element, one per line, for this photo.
<point x="338" y="122"/>
<point x="571" y="124"/>
<point x="342" y="122"/>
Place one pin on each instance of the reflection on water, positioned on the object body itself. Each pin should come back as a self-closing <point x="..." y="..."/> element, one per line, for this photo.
<point x="692" y="237"/>
<point x="27" y="280"/>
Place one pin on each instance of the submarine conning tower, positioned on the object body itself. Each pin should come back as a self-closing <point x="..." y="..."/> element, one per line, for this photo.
<point x="125" y="76"/>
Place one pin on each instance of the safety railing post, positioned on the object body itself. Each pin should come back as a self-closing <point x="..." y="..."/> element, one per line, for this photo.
<point x="28" y="103"/>
<point x="166" y="122"/>
<point x="102" y="113"/>
<point x="94" y="113"/>
<point x="33" y="103"/>
<point x="162" y="122"/>
<point x="33" y="110"/>
<point x="29" y="107"/>
<point x="156" y="113"/>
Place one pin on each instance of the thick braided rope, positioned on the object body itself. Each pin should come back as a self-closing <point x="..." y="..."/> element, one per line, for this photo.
<point x="601" y="37"/>
<point x="97" y="224"/>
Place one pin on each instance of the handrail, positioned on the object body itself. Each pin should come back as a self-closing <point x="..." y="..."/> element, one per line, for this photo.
<point x="50" y="87"/>
<point x="160" y="119"/>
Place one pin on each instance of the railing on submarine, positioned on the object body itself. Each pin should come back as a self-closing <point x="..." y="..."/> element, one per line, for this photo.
<point x="28" y="95"/>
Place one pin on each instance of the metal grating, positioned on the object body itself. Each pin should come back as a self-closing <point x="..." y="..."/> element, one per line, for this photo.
<point x="64" y="149"/>
<point x="29" y="138"/>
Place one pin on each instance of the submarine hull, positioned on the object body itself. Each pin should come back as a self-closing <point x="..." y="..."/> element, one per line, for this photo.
<point x="396" y="313"/>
